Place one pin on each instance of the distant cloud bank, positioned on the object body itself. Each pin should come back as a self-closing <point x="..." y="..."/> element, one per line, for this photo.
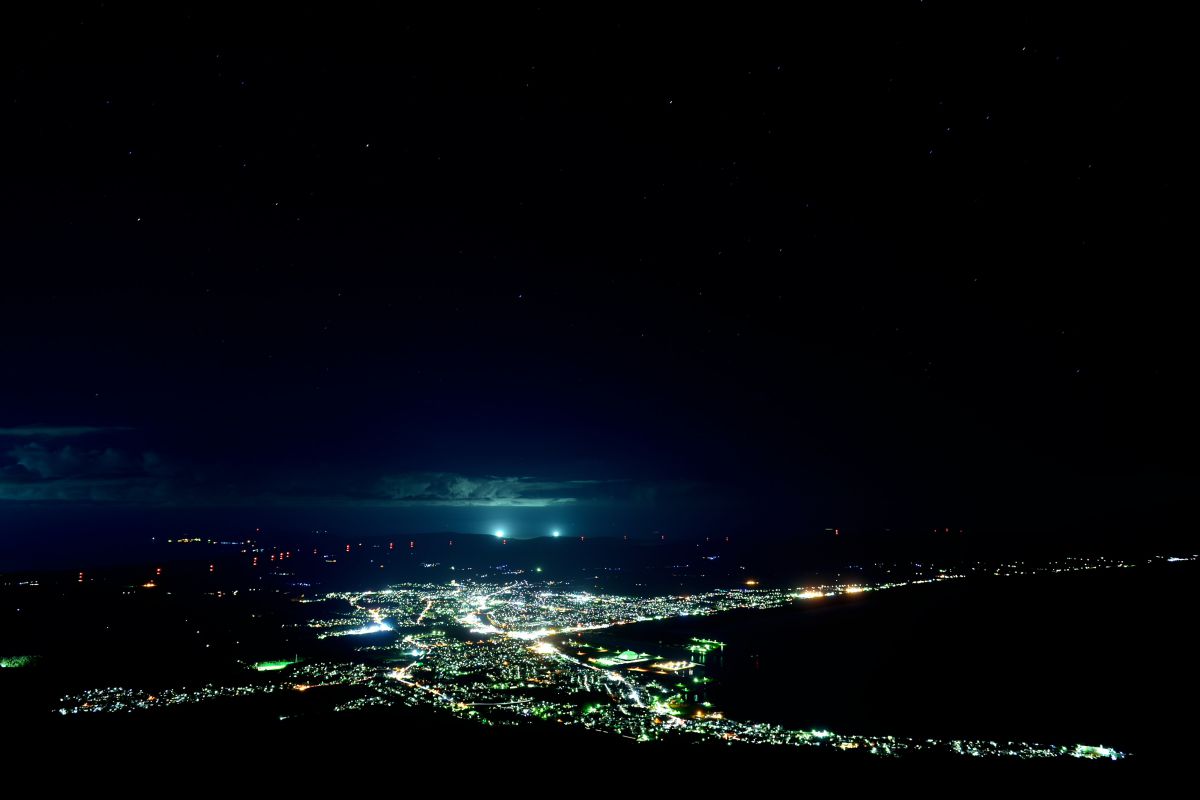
<point x="64" y="464"/>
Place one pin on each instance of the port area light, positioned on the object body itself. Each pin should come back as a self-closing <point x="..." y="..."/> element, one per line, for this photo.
<point x="556" y="534"/>
<point x="499" y="533"/>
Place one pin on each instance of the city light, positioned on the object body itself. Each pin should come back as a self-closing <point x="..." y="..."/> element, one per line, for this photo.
<point x="377" y="627"/>
<point x="527" y="653"/>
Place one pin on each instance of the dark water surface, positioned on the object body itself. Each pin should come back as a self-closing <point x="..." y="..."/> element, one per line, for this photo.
<point x="1094" y="657"/>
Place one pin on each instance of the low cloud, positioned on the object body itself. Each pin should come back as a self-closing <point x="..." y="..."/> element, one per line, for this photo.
<point x="124" y="491"/>
<point x="40" y="472"/>
<point x="56" y="431"/>
<point x="39" y="461"/>
<point x="66" y="464"/>
<point x="452" y="489"/>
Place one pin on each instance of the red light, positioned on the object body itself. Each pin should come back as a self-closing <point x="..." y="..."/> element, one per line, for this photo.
<point x="81" y="577"/>
<point x="411" y="545"/>
<point x="347" y="548"/>
<point x="212" y="567"/>
<point x="391" y="545"/>
<point x="158" y="570"/>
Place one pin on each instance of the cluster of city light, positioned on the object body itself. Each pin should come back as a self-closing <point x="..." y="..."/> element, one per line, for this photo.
<point x="291" y="677"/>
<point x="375" y="627"/>
<point x="508" y="653"/>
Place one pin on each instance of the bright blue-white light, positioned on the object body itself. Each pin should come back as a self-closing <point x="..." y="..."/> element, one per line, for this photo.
<point x="556" y="533"/>
<point x="499" y="534"/>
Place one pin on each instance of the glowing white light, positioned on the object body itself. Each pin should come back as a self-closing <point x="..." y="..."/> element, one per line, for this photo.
<point x="499" y="534"/>
<point x="556" y="534"/>
<point x="529" y="635"/>
<point x="377" y="628"/>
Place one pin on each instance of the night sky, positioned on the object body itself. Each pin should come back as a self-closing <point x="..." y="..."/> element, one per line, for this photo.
<point x="880" y="268"/>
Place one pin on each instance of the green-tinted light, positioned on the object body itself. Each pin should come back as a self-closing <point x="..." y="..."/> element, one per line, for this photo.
<point x="16" y="662"/>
